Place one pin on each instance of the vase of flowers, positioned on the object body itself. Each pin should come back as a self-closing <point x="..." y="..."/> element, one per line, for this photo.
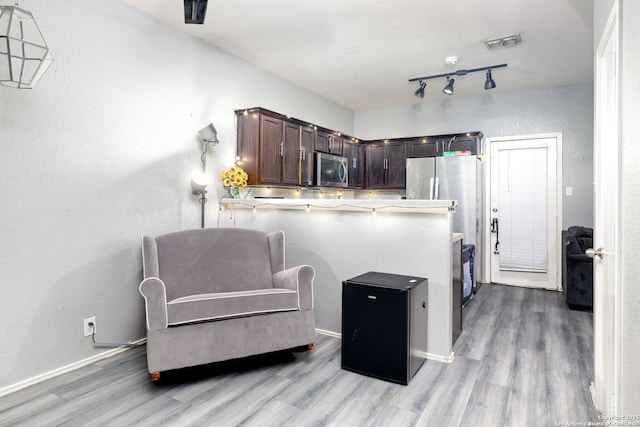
<point x="234" y="178"/>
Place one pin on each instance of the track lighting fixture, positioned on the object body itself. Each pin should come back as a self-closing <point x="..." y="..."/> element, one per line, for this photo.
<point x="448" y="89"/>
<point x="420" y="92"/>
<point x="489" y="83"/>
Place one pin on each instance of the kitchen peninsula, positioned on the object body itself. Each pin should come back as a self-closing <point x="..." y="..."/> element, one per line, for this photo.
<point x="342" y="238"/>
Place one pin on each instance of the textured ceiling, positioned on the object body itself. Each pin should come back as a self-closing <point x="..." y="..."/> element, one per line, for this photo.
<point x="360" y="53"/>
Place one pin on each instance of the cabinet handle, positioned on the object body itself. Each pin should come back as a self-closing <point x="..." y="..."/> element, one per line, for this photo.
<point x="354" y="163"/>
<point x="282" y="149"/>
<point x="331" y="142"/>
<point x="303" y="153"/>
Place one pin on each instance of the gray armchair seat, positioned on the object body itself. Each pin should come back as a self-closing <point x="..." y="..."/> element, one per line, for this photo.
<point x="216" y="294"/>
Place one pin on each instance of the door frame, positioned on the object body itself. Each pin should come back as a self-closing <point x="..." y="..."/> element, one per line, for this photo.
<point x="606" y="391"/>
<point x="487" y="199"/>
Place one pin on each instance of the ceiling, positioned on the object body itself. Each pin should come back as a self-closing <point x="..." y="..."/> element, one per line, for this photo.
<point x="361" y="53"/>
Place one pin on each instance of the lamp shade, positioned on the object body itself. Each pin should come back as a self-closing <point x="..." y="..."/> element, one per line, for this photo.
<point x="489" y="83"/>
<point x="448" y="89"/>
<point x="24" y="55"/>
<point x="199" y="182"/>
<point x="420" y="91"/>
<point x="209" y="134"/>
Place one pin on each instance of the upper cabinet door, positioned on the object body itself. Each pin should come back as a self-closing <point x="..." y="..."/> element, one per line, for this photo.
<point x="335" y="145"/>
<point x="422" y="147"/>
<point x="375" y="161"/>
<point x="322" y="141"/>
<point x="271" y="150"/>
<point x="396" y="165"/>
<point x="291" y="154"/>
<point x="354" y="154"/>
<point x="307" y="142"/>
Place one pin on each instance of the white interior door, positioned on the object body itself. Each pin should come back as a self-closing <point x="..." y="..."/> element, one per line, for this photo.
<point x="524" y="211"/>
<point x="606" y="231"/>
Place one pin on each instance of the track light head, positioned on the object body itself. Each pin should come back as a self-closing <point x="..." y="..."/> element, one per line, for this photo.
<point x="448" y="89"/>
<point x="489" y="83"/>
<point x="420" y="92"/>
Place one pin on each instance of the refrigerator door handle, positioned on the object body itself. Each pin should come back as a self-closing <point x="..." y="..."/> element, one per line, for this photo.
<point x="431" y="189"/>
<point x="437" y="188"/>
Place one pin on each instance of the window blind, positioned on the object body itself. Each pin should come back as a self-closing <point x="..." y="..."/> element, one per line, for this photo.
<point x="523" y="209"/>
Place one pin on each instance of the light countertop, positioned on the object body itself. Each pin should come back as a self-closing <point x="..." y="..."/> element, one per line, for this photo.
<point x="381" y="205"/>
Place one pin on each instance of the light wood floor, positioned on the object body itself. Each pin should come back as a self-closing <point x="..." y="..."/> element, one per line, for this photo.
<point x="523" y="359"/>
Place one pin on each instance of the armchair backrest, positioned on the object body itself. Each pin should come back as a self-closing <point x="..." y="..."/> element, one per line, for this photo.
<point x="213" y="260"/>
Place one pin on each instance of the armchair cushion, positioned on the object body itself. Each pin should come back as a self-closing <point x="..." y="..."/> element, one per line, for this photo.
<point x="224" y="305"/>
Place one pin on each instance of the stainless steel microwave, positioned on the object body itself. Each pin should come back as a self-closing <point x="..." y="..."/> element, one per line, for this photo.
<point x="331" y="170"/>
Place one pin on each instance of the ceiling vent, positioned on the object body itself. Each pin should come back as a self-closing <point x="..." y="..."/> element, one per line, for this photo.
<point x="501" y="42"/>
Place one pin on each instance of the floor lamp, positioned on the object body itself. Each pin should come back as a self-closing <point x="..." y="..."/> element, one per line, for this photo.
<point x="200" y="180"/>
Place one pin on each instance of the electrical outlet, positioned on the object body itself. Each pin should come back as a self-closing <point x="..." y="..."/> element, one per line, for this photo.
<point x="89" y="329"/>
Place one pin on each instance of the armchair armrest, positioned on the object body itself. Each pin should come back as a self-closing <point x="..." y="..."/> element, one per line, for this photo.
<point x="299" y="279"/>
<point x="155" y="301"/>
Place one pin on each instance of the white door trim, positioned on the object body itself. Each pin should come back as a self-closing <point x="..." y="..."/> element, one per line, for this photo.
<point x="607" y="391"/>
<point x="487" y="198"/>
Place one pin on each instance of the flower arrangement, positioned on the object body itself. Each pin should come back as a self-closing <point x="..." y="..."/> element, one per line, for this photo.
<point x="234" y="178"/>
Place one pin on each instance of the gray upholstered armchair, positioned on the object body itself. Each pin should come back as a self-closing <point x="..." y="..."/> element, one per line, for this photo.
<point x="216" y="294"/>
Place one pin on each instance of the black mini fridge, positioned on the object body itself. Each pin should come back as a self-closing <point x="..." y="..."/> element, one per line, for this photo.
<point x="384" y="325"/>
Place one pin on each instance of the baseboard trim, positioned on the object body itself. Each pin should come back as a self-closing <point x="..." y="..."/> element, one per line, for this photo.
<point x="436" y="357"/>
<point x="65" y="369"/>
<point x="328" y="333"/>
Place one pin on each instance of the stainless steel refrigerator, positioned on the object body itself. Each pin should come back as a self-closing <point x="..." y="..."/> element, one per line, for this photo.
<point x="449" y="178"/>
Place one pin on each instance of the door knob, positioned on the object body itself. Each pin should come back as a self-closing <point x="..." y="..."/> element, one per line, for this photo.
<point x="592" y="253"/>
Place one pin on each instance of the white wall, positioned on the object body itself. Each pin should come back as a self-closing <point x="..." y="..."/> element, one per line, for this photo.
<point x="566" y="109"/>
<point x="630" y="183"/>
<point x="100" y="153"/>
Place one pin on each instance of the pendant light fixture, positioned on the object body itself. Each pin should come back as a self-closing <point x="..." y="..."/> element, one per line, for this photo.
<point x="489" y="83"/>
<point x="24" y="55"/>
<point x="448" y="89"/>
<point x="420" y="92"/>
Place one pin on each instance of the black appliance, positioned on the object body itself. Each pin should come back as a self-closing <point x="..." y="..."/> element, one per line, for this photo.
<point x="384" y="325"/>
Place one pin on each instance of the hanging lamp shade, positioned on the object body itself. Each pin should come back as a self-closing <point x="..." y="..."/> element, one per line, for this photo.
<point x="24" y="55"/>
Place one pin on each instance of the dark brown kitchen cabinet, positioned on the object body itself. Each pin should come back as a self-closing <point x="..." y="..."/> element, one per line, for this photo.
<point x="442" y="145"/>
<point x="355" y="156"/>
<point x="291" y="154"/>
<point x="462" y="142"/>
<point x="385" y="165"/>
<point x="422" y="147"/>
<point x="307" y="142"/>
<point x="329" y="142"/>
<point x="270" y="149"/>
